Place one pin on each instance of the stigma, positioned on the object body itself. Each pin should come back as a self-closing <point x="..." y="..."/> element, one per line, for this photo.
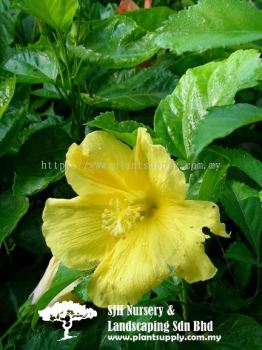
<point x="121" y="216"/>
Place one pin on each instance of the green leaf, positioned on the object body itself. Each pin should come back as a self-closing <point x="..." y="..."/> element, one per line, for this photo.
<point x="242" y="272"/>
<point x="32" y="66"/>
<point x="10" y="124"/>
<point x="244" y="191"/>
<point x="167" y="290"/>
<point x="8" y="19"/>
<point x="168" y="126"/>
<point x="222" y="121"/>
<point x="81" y="289"/>
<point x="237" y="332"/>
<point x="132" y="89"/>
<point x="151" y="18"/>
<point x="245" y="211"/>
<point x="33" y="123"/>
<point x="125" y="131"/>
<point x="62" y="279"/>
<point x="40" y="160"/>
<point x="43" y="337"/>
<point x="48" y="91"/>
<point x="225" y="296"/>
<point x="240" y="252"/>
<point x="93" y="9"/>
<point x="29" y="237"/>
<point x="57" y="13"/>
<point x="7" y="89"/>
<point x="211" y="24"/>
<point x="116" y="42"/>
<point x="12" y="209"/>
<point x="213" y="84"/>
<point x="207" y="176"/>
<point x="242" y="160"/>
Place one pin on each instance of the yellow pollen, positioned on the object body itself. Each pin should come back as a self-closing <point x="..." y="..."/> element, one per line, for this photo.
<point x="121" y="216"/>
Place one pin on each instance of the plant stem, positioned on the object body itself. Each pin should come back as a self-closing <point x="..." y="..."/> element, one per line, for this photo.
<point x="184" y="301"/>
<point x="33" y="30"/>
<point x="43" y="30"/>
<point x="73" y="99"/>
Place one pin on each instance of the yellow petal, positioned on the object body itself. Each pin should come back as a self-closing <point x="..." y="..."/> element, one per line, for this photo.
<point x="189" y="218"/>
<point x="198" y="214"/>
<point x="72" y="230"/>
<point x="98" y="165"/>
<point x="131" y="267"/>
<point x="158" y="246"/>
<point x="155" y="167"/>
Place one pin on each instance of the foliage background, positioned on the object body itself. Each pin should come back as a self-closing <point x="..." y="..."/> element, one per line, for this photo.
<point x="65" y="71"/>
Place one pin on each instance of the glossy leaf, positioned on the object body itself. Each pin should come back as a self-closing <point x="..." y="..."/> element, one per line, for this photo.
<point x="237" y="332"/>
<point x="81" y="289"/>
<point x="213" y="84"/>
<point x="244" y="191"/>
<point x="33" y="123"/>
<point x="12" y="209"/>
<point x="207" y="176"/>
<point x="93" y="9"/>
<point x="132" y="89"/>
<point x="125" y="131"/>
<point x="48" y="91"/>
<point x="222" y="121"/>
<point x="47" y="149"/>
<point x="116" y="42"/>
<point x="240" y="252"/>
<point x="32" y="66"/>
<point x="151" y="18"/>
<point x="210" y="24"/>
<point x="8" y="18"/>
<point x="246" y="213"/>
<point x="10" y="124"/>
<point x="168" y="126"/>
<point x="242" y="160"/>
<point x="57" y="13"/>
<point x="6" y="30"/>
<point x="7" y="89"/>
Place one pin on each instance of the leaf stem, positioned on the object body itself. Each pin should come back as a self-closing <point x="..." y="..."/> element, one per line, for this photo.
<point x="6" y="247"/>
<point x="183" y="297"/>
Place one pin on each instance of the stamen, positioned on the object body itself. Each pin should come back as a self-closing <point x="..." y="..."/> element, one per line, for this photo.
<point x="121" y="216"/>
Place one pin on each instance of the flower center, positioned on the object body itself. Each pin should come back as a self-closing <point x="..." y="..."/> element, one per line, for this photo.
<point x="121" y="216"/>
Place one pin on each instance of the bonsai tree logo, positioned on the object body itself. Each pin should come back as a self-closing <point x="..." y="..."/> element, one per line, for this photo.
<point x="66" y="312"/>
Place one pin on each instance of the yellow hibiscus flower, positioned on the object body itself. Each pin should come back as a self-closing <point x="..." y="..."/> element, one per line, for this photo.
<point x="131" y="219"/>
